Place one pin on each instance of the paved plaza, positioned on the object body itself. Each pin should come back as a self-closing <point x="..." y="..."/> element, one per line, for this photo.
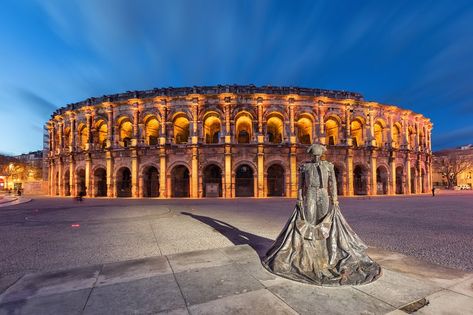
<point x="99" y="239"/>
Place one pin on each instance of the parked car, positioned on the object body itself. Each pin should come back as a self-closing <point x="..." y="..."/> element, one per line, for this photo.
<point x="462" y="187"/>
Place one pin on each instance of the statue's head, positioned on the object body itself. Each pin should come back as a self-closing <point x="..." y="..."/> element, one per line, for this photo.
<point x="316" y="149"/>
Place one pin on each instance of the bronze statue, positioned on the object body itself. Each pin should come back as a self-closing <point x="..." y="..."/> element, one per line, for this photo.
<point x="317" y="245"/>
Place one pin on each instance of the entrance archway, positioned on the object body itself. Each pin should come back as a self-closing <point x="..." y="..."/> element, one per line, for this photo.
<point x="100" y="181"/>
<point x="275" y="181"/>
<point x="244" y="181"/>
<point x="151" y="182"/>
<point x="67" y="186"/>
<point x="413" y="180"/>
<point x="123" y="182"/>
<point x="180" y="181"/>
<point x="381" y="180"/>
<point x="81" y="189"/>
<point x="57" y="184"/>
<point x="360" y="180"/>
<point x="399" y="180"/>
<point x="212" y="181"/>
<point x="422" y="178"/>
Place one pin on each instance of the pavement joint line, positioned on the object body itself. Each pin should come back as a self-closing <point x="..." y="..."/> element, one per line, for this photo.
<point x="11" y="285"/>
<point x="92" y="288"/>
<point x="155" y="238"/>
<point x="376" y="298"/>
<point x="178" y="285"/>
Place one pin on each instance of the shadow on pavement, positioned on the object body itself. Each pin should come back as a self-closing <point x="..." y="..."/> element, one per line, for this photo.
<point x="235" y="235"/>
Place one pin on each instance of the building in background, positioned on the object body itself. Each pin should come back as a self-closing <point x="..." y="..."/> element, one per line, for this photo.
<point x="453" y="168"/>
<point x="233" y="141"/>
<point x="23" y="172"/>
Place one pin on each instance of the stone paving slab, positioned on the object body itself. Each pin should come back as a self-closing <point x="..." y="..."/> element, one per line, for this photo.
<point x="256" y="302"/>
<point x="231" y="280"/>
<point x="49" y="283"/>
<point x="145" y="296"/>
<point x="447" y="302"/>
<point x="133" y="270"/>
<point x="207" y="284"/>
<point x="63" y="303"/>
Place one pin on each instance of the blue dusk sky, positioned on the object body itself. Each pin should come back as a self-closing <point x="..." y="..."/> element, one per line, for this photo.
<point x="414" y="54"/>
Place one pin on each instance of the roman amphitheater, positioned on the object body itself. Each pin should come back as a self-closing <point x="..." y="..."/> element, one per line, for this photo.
<point x="233" y="141"/>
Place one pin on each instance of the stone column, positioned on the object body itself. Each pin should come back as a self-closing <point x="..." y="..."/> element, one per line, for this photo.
<point x="293" y="152"/>
<point x="227" y="191"/>
<point x="371" y="138"/>
<point x="88" y="169"/>
<point x="72" y="176"/>
<point x="163" y="193"/>
<point x="373" y="171"/>
<point x="349" y="163"/>
<point x="72" y="144"/>
<point x="392" y="166"/>
<point x="349" y="140"/>
<point x="195" y="171"/>
<point x="260" y="166"/>
<point x="293" y="169"/>
<point x="408" y="172"/>
<point x="51" y="177"/>
<point x="88" y="160"/>
<point x="194" y="189"/>
<point x="321" y="118"/>
<point x="417" y="136"/>
<point x="60" y="177"/>
<point x="134" y="153"/>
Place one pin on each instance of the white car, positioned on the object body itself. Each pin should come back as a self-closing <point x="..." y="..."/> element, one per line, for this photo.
<point x="463" y="187"/>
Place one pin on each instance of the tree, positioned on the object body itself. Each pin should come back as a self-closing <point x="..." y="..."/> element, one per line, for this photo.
<point x="451" y="165"/>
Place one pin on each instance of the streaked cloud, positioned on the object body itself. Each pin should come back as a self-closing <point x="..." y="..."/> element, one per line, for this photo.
<point x="412" y="54"/>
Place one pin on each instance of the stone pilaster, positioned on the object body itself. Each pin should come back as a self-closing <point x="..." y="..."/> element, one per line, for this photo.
<point x="349" y="164"/>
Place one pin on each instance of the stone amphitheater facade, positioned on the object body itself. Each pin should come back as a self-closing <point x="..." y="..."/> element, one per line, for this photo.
<point x="233" y="141"/>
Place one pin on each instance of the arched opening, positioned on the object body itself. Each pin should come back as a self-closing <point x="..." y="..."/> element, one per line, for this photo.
<point x="100" y="180"/>
<point x="421" y="139"/>
<point x="81" y="189"/>
<point x="181" y="129"/>
<point x="275" y="181"/>
<point x="83" y="136"/>
<point x="57" y="184"/>
<point x="396" y="132"/>
<point x="244" y="181"/>
<point x="378" y="131"/>
<point x="274" y="129"/>
<point x="67" y="137"/>
<point x="339" y="180"/>
<point x="304" y="130"/>
<point x="413" y="180"/>
<point x="331" y="131"/>
<point x="123" y="182"/>
<point x="180" y="181"/>
<point x="151" y="182"/>
<point x="125" y="132"/>
<point x="381" y="180"/>
<point x="212" y="128"/>
<point x="422" y="178"/>
<point x="360" y="180"/>
<point x="399" y="180"/>
<point x="212" y="181"/>
<point x="411" y="138"/>
<point x="244" y="130"/>
<point x="356" y="131"/>
<point x="67" y="183"/>
<point x="151" y="130"/>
